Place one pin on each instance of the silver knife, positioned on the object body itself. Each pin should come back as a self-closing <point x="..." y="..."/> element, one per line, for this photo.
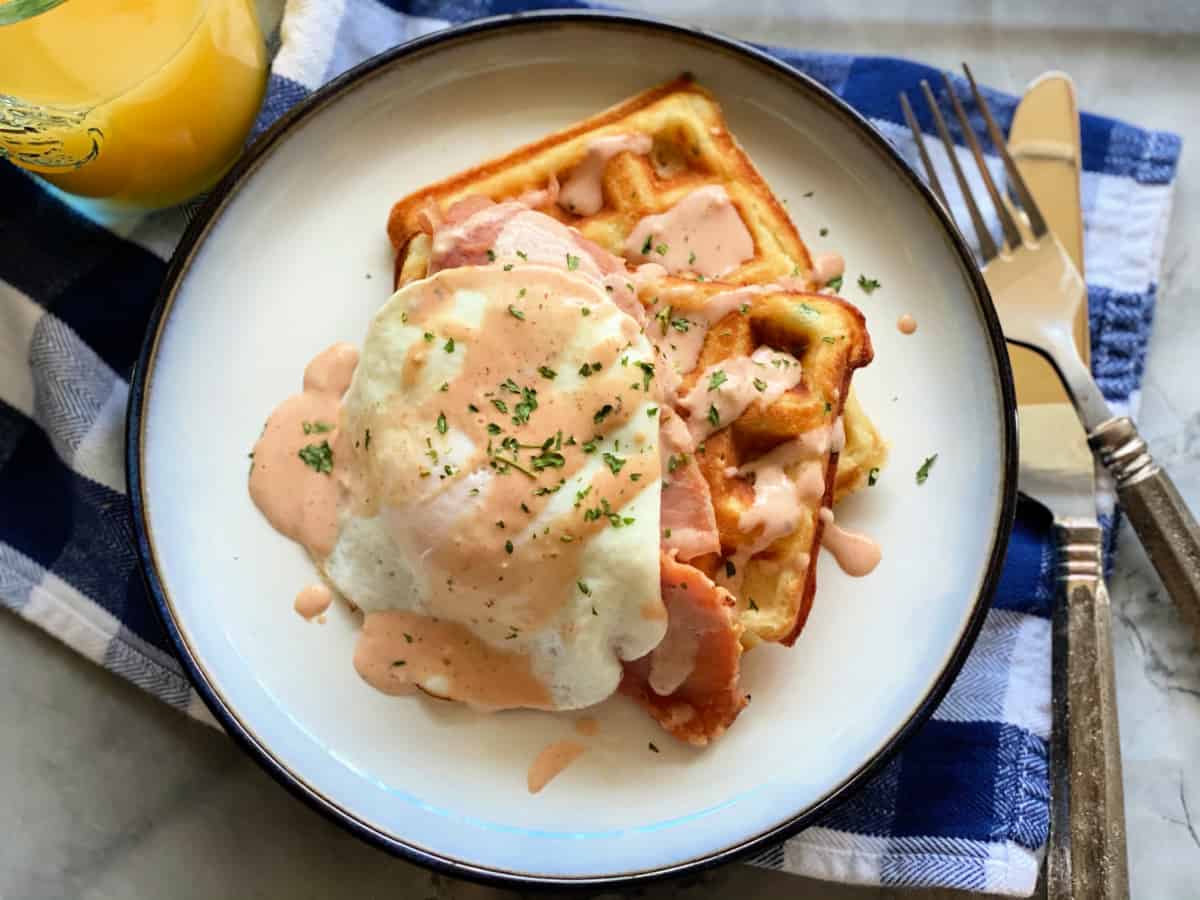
<point x="1058" y="470"/>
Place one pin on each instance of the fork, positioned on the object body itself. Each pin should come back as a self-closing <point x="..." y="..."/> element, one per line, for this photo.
<point x="1038" y="292"/>
<point x="1041" y="291"/>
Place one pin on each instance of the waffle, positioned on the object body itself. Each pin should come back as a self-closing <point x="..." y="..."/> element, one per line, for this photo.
<point x="692" y="149"/>
<point x="774" y="588"/>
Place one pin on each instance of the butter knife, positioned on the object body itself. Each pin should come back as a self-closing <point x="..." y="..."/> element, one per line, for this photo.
<point x="1057" y="469"/>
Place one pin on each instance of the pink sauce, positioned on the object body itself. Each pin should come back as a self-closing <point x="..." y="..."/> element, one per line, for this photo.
<point x="779" y="498"/>
<point x="688" y="520"/>
<point x="313" y="601"/>
<point x="702" y="233"/>
<point x="724" y="391"/>
<point x="547" y="196"/>
<point x="400" y="650"/>
<point x="300" y="501"/>
<point x="550" y="763"/>
<point x="828" y="266"/>
<point x="677" y="328"/>
<point x="856" y="554"/>
<point x="583" y="193"/>
<point x="907" y="324"/>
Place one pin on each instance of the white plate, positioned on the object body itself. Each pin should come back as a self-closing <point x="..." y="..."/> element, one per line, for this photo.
<point x="290" y="255"/>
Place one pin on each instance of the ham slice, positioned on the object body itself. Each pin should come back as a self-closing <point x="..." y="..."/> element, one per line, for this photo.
<point x="689" y="525"/>
<point x="698" y="660"/>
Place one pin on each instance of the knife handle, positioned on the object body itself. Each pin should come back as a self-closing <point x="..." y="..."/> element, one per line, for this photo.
<point x="1093" y="864"/>
<point x="1158" y="514"/>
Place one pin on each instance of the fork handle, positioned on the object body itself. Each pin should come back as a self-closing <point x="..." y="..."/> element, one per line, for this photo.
<point x="1086" y="859"/>
<point x="1158" y="514"/>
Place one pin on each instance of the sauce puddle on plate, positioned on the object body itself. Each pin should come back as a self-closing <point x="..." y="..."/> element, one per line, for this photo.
<point x="550" y="762"/>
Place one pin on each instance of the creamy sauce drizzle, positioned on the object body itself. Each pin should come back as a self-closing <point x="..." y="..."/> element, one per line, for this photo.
<point x="313" y="600"/>
<point x="906" y="324"/>
<point x="550" y="763"/>
<point x="400" y="650"/>
<point x="299" y="501"/>
<point x="583" y="193"/>
<point x="828" y="266"/>
<point x="764" y="375"/>
<point x="701" y="233"/>
<point x="679" y="335"/>
<point x="856" y="554"/>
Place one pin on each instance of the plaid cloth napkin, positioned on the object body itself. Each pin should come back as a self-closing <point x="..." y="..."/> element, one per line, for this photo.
<point x="965" y="802"/>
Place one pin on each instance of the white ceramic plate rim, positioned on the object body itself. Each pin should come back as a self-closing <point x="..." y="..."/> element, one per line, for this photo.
<point x="208" y="216"/>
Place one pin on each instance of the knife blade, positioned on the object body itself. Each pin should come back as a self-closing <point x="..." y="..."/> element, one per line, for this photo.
<point x="1044" y="141"/>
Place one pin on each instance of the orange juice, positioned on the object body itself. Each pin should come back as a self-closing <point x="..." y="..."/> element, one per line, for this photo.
<point x="139" y="102"/>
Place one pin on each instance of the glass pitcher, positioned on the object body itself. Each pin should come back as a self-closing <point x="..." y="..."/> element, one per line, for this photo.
<point x="137" y="103"/>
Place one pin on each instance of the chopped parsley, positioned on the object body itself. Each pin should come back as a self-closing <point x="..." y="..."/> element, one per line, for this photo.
<point x="523" y="255"/>
<point x="317" y="427"/>
<point x="428" y="337"/>
<point x="834" y="284"/>
<point x="408" y="638"/>
<point x="398" y="663"/>
<point x="717" y="379"/>
<point x="692" y="258"/>
<point x="508" y="547"/>
<point x="367" y="440"/>
<point x="649" y="243"/>
<point x="584" y="311"/>
<point x="591" y="446"/>
<point x="829" y="339"/>
<point x="318" y="457"/>
<point x="500" y="404"/>
<point x="547" y="372"/>
<point x="661" y="249"/>
<point x="527" y="404"/>
<point x="445" y="387"/>
<point x="441" y="423"/>
<point x="675" y="461"/>
<point x="572" y="262"/>
<point x="493" y="428"/>
<point x="730" y="568"/>
<point x="471" y="407"/>
<point x="588" y="368"/>
<point x="760" y="385"/>
<point x="508" y="267"/>
<point x="615" y="463"/>
<point x="744" y="308"/>
<point x="647" y="374"/>
<point x="548" y="459"/>
<point x="823" y="232"/>
<point x="714" y="417"/>
<point x="868" y="285"/>
<point x="666" y="532"/>
<point x="491" y="255"/>
<point x="515" y="313"/>
<point x="753" y="605"/>
<point x="602" y="412"/>
<point x="584" y="589"/>
<point x="652" y="412"/>
<point x="873" y="477"/>
<point x="449" y="345"/>
<point x="923" y="472"/>
<point x="653" y="749"/>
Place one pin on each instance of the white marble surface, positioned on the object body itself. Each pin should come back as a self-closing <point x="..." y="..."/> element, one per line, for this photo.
<point x="104" y="793"/>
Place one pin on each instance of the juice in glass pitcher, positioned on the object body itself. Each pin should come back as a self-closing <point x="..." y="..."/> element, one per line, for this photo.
<point x="139" y="103"/>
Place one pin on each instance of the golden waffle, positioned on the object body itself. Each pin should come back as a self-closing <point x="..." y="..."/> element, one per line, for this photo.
<point x="828" y="336"/>
<point x="692" y="148"/>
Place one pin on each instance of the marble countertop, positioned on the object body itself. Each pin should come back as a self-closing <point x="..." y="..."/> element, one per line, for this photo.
<point x="105" y="793"/>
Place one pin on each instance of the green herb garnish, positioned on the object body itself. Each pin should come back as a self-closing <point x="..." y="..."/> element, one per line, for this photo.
<point x="868" y="285"/>
<point x="317" y="427"/>
<point x="717" y="379"/>
<point x="318" y="457"/>
<point x="923" y="472"/>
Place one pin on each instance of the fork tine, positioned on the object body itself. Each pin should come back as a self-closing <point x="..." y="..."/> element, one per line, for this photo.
<point x="934" y="182"/>
<point x="987" y="246"/>
<point x="1012" y="235"/>
<point x="1036" y="222"/>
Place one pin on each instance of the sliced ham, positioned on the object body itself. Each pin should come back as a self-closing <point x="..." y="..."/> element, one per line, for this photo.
<point x="689" y="525"/>
<point x="697" y="662"/>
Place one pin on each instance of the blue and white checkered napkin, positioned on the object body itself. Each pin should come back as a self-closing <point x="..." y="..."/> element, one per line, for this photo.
<point x="964" y="804"/>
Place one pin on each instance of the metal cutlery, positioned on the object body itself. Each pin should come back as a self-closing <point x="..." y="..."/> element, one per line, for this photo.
<point x="1043" y="293"/>
<point x="1087" y="848"/>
